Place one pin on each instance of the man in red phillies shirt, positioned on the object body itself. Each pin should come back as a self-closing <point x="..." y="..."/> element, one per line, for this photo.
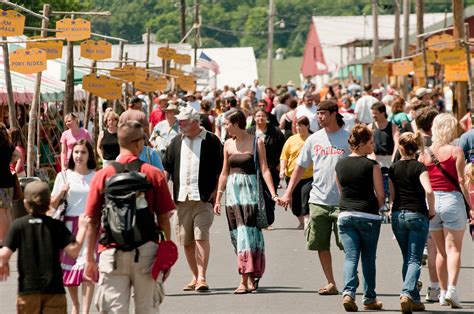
<point x="119" y="270"/>
<point x="158" y="114"/>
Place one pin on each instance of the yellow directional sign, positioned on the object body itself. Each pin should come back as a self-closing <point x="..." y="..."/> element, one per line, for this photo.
<point x="452" y="56"/>
<point x="176" y="72"/>
<point x="440" y="42"/>
<point x="182" y="58"/>
<point x="166" y="53"/>
<point x="102" y="86"/>
<point x="28" y="61"/>
<point x="12" y="23"/>
<point x="53" y="49"/>
<point x="186" y="83"/>
<point x="129" y="73"/>
<point x="402" y="67"/>
<point x="96" y="49"/>
<point x="73" y="29"/>
<point x="379" y="68"/>
<point x="420" y="71"/>
<point x="456" y="72"/>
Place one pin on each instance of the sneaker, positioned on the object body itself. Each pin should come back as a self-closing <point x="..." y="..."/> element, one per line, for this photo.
<point x="432" y="295"/>
<point x="376" y="305"/>
<point x="453" y="299"/>
<point x="442" y="300"/>
<point x="406" y="304"/>
<point x="418" y="307"/>
<point x="349" y="304"/>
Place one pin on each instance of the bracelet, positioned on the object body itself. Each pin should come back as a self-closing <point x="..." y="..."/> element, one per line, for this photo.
<point x="274" y="196"/>
<point x="220" y="191"/>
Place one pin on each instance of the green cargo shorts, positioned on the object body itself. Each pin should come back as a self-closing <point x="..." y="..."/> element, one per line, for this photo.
<point x="322" y="221"/>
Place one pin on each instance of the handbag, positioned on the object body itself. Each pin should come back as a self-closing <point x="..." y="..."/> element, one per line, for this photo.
<point x="261" y="220"/>
<point x="450" y="178"/>
<point x="60" y="211"/>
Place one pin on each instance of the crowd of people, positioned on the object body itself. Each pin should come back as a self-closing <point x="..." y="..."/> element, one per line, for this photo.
<point x="346" y="155"/>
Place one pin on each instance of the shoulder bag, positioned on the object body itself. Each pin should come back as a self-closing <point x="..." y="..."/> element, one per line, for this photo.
<point x="450" y="178"/>
<point x="261" y="220"/>
<point x="60" y="211"/>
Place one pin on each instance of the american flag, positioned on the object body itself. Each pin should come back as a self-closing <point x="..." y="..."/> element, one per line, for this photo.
<point x="206" y="62"/>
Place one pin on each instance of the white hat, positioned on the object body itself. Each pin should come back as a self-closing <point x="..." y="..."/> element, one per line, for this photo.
<point x="188" y="113"/>
<point x="163" y="97"/>
<point x="189" y="94"/>
<point x="420" y="92"/>
<point x="228" y="94"/>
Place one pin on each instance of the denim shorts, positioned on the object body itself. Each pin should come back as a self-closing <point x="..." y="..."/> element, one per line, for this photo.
<point x="450" y="211"/>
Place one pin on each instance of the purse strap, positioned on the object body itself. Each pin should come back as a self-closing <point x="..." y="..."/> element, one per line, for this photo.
<point x="445" y="173"/>
<point x="255" y="155"/>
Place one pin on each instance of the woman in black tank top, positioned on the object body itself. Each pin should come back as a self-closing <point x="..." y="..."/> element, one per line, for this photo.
<point x="107" y="143"/>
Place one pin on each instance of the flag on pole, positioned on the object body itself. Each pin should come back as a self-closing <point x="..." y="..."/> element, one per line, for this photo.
<point x="206" y="62"/>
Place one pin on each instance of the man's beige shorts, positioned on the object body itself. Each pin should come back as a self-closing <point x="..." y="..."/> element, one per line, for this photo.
<point x="194" y="219"/>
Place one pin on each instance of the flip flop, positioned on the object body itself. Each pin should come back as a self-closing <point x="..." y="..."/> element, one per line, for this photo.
<point x="241" y="290"/>
<point x="189" y="287"/>
<point x="255" y="282"/>
<point x="330" y="289"/>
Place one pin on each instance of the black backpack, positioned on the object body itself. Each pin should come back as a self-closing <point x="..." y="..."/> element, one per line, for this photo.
<point x="126" y="219"/>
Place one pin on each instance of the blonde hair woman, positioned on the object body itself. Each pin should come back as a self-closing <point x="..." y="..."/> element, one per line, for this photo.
<point x="71" y="136"/>
<point x="447" y="227"/>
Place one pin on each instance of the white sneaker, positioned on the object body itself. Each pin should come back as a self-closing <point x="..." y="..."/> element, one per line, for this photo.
<point x="442" y="300"/>
<point x="453" y="299"/>
<point x="432" y="295"/>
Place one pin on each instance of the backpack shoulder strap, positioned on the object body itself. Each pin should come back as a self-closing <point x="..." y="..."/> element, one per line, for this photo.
<point x="119" y="167"/>
<point x="135" y="165"/>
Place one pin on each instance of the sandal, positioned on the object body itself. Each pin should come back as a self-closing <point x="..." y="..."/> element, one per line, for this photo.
<point x="254" y="282"/>
<point x="241" y="290"/>
<point x="190" y="286"/>
<point x="330" y="289"/>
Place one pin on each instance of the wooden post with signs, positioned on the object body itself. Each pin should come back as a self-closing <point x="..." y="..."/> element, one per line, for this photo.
<point x="148" y="43"/>
<point x="120" y="57"/>
<point x="35" y="109"/>
<point x="89" y="98"/>
<point x="8" y="82"/>
<point x="460" y="89"/>
<point x="71" y="36"/>
<point x="469" y="69"/>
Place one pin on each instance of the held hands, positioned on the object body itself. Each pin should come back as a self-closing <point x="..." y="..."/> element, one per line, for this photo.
<point x="284" y="201"/>
<point x="91" y="271"/>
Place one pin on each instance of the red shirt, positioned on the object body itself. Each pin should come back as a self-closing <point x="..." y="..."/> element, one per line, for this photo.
<point x="158" y="198"/>
<point x="156" y="116"/>
<point x="438" y="180"/>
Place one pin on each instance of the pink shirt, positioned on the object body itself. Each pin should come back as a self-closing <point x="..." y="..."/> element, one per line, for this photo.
<point x="69" y="140"/>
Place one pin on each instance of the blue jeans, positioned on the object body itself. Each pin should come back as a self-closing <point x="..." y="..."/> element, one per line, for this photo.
<point x="359" y="237"/>
<point x="411" y="230"/>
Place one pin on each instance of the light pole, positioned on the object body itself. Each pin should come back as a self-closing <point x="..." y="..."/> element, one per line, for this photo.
<point x="271" y="14"/>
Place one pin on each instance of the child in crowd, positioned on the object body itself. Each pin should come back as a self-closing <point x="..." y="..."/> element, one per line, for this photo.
<point x="39" y="239"/>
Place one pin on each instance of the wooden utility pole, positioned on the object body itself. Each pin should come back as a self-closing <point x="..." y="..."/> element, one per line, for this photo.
<point x="406" y="42"/>
<point x="69" y="88"/>
<point x="196" y="30"/>
<point x="147" y="65"/>
<point x="396" y="36"/>
<point x="375" y="22"/>
<point x="33" y="115"/>
<point x="420" y="29"/>
<point x="90" y="98"/>
<point x="120" y="57"/>
<point x="271" y="15"/>
<point x="460" y="88"/>
<point x="469" y="69"/>
<point x="183" y="17"/>
<point x="8" y="82"/>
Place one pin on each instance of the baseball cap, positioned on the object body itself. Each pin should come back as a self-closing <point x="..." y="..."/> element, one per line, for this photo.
<point x="188" y="113"/>
<point x="420" y="92"/>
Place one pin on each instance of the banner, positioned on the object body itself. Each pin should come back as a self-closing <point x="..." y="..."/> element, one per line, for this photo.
<point x="440" y="42"/>
<point x="102" y="86"/>
<point x="96" y="49"/>
<point x="73" y="30"/>
<point x="456" y="72"/>
<point x="53" y="49"/>
<point x="402" y="68"/>
<point x="166" y="53"/>
<point x="12" y="23"/>
<point x="379" y="68"/>
<point x="452" y="56"/>
<point x="28" y="61"/>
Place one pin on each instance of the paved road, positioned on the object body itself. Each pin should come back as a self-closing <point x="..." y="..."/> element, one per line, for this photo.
<point x="291" y="279"/>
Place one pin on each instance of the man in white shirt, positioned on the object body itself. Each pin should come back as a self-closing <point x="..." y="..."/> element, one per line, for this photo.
<point x="192" y="102"/>
<point x="308" y="109"/>
<point x="362" y="112"/>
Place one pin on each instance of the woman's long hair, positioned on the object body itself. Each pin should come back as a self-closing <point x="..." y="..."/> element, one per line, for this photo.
<point x="6" y="146"/>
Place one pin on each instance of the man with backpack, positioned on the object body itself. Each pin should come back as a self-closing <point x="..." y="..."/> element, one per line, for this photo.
<point x="131" y="202"/>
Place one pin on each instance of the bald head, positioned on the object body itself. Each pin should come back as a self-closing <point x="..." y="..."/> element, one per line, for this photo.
<point x="129" y="133"/>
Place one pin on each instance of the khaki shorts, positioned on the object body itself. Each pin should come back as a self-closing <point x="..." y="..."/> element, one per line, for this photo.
<point x="41" y="303"/>
<point x="194" y="219"/>
<point x="322" y="221"/>
<point x="119" y="272"/>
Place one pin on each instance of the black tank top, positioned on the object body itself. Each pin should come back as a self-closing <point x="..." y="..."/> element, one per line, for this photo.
<point x="383" y="139"/>
<point x="110" y="146"/>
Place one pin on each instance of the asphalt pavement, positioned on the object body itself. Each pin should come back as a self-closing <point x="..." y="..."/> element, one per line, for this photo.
<point x="291" y="279"/>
